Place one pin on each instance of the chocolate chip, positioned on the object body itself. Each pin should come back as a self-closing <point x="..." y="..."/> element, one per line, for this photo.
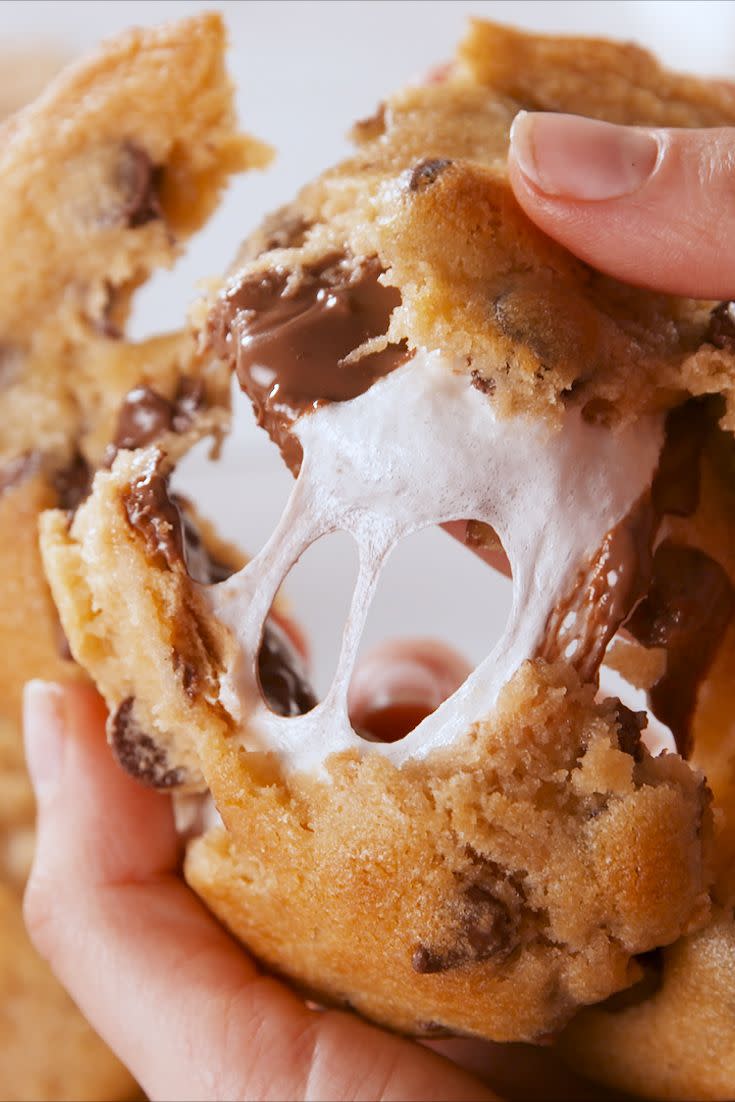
<point x="721" y="332"/>
<point x="426" y="172"/>
<point x="137" y="752"/>
<point x="489" y="926"/>
<point x="151" y="512"/>
<point x="630" y="724"/>
<point x="426" y="961"/>
<point x="287" y="337"/>
<point x="675" y="487"/>
<point x="687" y="609"/>
<point x="484" y="919"/>
<point x="73" y="482"/>
<point x="482" y="383"/>
<point x="282" y="681"/>
<point x="138" y="181"/>
<point x="144" y="416"/>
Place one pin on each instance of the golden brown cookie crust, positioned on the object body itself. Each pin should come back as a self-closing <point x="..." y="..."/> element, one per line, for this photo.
<point x="428" y="192"/>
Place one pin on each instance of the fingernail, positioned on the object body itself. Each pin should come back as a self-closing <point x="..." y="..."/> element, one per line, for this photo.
<point x="44" y="726"/>
<point x="576" y="158"/>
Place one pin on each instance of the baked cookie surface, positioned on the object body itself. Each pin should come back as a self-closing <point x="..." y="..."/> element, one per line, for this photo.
<point x="421" y="354"/>
<point x="107" y="172"/>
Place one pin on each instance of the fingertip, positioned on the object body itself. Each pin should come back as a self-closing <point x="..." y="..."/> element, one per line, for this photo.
<point x="651" y="207"/>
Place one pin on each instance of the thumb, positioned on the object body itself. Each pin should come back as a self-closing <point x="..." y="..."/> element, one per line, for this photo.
<point x="651" y="207"/>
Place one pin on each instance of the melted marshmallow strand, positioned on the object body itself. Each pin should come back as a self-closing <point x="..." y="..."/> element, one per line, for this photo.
<point x="423" y="446"/>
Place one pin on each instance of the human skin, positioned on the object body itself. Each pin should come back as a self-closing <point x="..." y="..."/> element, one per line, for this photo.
<point x="181" y="1003"/>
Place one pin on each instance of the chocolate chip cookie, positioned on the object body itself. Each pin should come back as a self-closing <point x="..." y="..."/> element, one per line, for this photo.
<point x="421" y="353"/>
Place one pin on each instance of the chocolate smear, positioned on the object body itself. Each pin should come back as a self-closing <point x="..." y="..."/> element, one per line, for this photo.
<point x="581" y="626"/>
<point x="687" y="610"/>
<point x="675" y="487"/>
<point x="288" y="335"/>
<point x="137" y="752"/>
<point x="151" y="512"/>
<point x="145" y="415"/>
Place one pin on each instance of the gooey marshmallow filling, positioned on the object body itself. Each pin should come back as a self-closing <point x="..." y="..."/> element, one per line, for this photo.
<point x="423" y="446"/>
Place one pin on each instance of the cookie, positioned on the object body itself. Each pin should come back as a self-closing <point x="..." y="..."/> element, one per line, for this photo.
<point x="421" y="354"/>
<point x="670" y="1035"/>
<point x="107" y="173"/>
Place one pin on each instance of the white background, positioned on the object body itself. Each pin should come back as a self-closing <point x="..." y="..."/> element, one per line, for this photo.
<point x="306" y="69"/>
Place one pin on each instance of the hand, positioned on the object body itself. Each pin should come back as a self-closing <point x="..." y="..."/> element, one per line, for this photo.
<point x="655" y="208"/>
<point x="183" y="1005"/>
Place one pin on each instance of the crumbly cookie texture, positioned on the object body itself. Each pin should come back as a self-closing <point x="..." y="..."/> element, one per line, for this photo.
<point x="427" y="192"/>
<point x="102" y="179"/>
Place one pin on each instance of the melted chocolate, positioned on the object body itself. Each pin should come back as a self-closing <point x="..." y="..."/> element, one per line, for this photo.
<point x="288" y="338"/>
<point x="687" y="609"/>
<point x="172" y="537"/>
<point x="145" y="415"/>
<point x="675" y="487"/>
<point x="151" y="511"/>
<point x="686" y="599"/>
<point x="580" y="627"/>
<point x="138" y="753"/>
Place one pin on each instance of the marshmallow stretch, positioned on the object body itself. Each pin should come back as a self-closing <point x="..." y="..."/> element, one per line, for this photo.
<point x="423" y="446"/>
